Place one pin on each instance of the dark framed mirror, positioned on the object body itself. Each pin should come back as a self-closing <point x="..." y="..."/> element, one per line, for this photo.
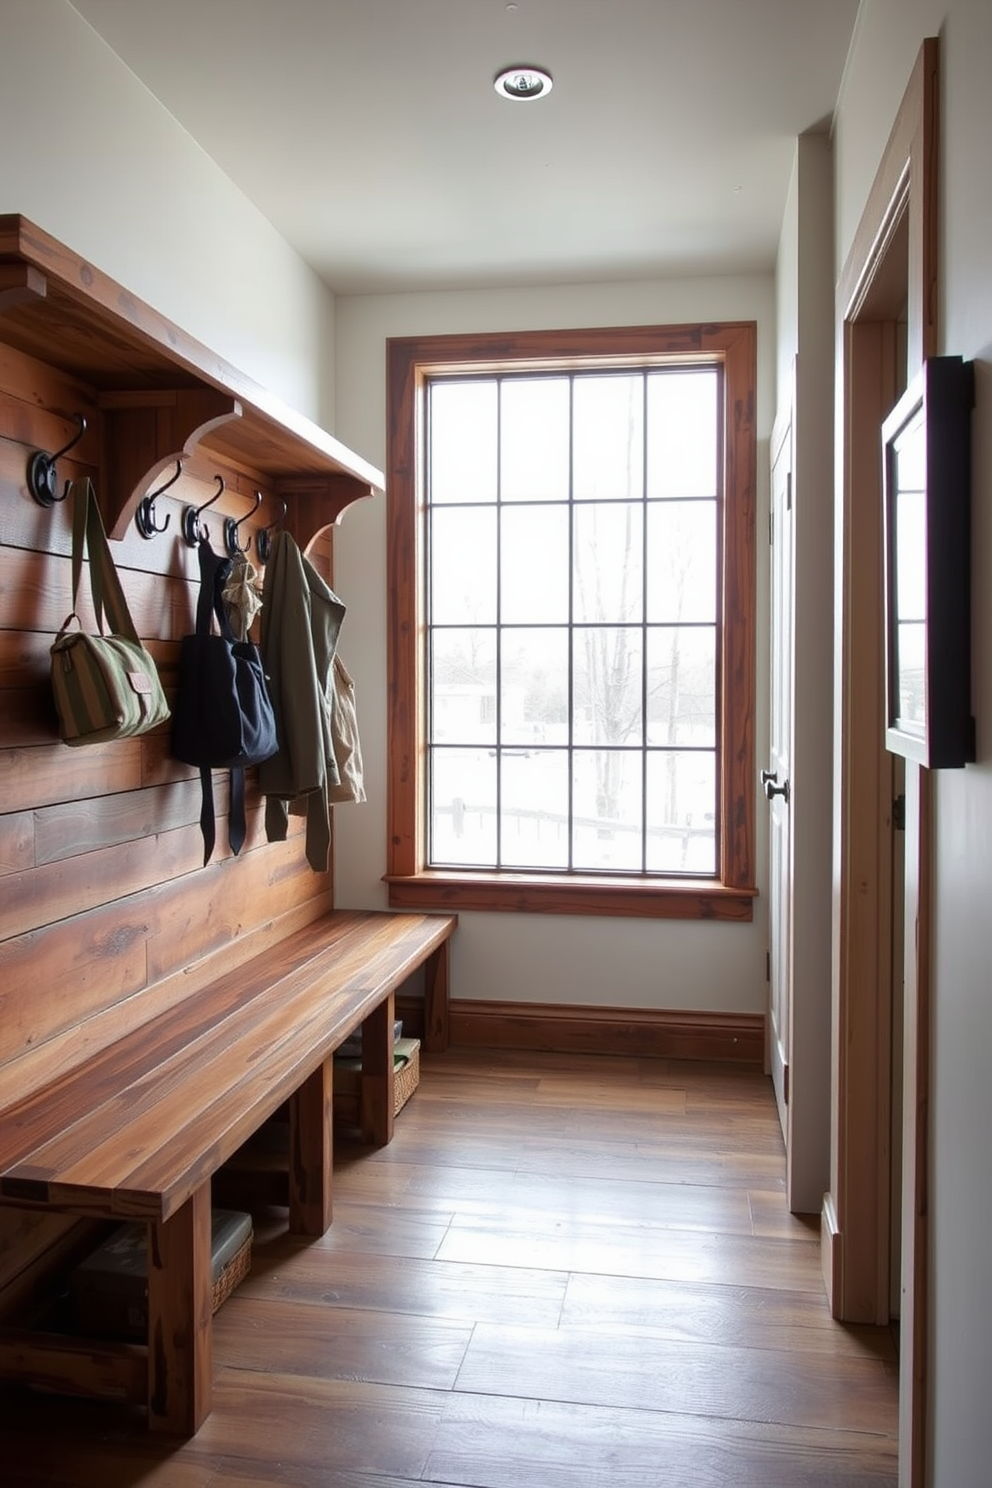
<point x="926" y="443"/>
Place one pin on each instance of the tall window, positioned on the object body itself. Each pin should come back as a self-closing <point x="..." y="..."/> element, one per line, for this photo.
<point x="571" y="639"/>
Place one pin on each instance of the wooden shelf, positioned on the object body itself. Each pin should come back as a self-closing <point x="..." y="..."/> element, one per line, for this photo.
<point x="161" y="394"/>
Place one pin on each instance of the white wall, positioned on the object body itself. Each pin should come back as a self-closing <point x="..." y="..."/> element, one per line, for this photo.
<point x="888" y="39"/>
<point x="90" y="156"/>
<point x="536" y="958"/>
<point x="787" y="290"/>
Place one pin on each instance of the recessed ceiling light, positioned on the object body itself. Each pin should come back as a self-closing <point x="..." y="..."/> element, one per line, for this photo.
<point x="523" y="83"/>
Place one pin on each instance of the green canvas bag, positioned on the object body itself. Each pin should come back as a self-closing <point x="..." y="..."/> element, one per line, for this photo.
<point x="105" y="686"/>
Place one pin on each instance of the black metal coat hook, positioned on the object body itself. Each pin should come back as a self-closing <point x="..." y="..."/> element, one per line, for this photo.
<point x="144" y="517"/>
<point x="193" y="530"/>
<point x="263" y="539"/>
<point x="42" y="479"/>
<point x="231" y="530"/>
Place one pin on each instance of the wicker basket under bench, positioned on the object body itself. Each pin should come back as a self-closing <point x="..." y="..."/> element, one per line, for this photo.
<point x="348" y="1081"/>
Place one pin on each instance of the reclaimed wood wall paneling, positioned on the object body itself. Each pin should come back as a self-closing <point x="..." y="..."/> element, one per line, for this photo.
<point x="107" y="915"/>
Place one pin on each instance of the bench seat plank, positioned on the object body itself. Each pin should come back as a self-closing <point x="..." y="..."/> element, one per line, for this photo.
<point x="160" y="1136"/>
<point x="99" y="1076"/>
<point x="174" y="1100"/>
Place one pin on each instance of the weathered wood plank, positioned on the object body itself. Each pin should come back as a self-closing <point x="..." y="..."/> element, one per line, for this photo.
<point x="311" y="1151"/>
<point x="36" y="595"/>
<point x="256" y="890"/>
<point x="42" y="386"/>
<point x="180" y="1338"/>
<point x="16" y="842"/>
<point x="57" y="1055"/>
<point x="52" y="981"/>
<point x="377" y="1074"/>
<point x="115" y="1371"/>
<point x="74" y="827"/>
<point x="53" y="772"/>
<point x="24" y="658"/>
<point x="436" y="1003"/>
<point x="159" y="768"/>
<point x="56" y="891"/>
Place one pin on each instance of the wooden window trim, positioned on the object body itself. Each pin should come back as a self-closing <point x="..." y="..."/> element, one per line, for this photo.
<point x="410" y="361"/>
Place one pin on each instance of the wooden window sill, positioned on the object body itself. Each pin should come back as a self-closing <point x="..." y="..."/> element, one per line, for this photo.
<point x="668" y="899"/>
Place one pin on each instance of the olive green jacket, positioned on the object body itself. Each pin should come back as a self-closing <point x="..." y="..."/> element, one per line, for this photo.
<point x="300" y="624"/>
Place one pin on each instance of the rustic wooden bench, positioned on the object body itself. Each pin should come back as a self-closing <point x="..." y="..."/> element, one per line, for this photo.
<point x="137" y="1130"/>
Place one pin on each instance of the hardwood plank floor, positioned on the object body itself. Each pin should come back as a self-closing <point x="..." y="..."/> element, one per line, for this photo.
<point x="565" y="1272"/>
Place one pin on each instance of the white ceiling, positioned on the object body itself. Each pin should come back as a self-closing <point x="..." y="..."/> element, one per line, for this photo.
<point x="368" y="132"/>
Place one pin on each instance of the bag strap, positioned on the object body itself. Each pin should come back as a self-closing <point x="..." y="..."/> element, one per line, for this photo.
<point x="214" y="571"/>
<point x="237" y="825"/>
<point x="210" y="602"/>
<point x="208" y="827"/>
<point x="88" y="534"/>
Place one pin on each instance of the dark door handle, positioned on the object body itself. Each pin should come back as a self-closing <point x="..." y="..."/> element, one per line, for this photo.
<point x="772" y="789"/>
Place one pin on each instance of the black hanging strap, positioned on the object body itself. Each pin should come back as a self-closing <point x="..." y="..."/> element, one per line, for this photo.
<point x="214" y="572"/>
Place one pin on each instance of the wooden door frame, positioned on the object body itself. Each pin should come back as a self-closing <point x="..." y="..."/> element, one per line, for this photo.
<point x="896" y="243"/>
<point x="781" y="446"/>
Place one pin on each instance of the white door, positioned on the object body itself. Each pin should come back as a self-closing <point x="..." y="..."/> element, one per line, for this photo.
<point x="776" y="777"/>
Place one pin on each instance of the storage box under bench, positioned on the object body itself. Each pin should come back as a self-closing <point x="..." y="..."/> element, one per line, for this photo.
<point x="108" y="1291"/>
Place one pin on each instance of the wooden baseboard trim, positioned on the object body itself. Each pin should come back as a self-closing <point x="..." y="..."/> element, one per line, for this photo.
<point x="731" y="1038"/>
<point x="830" y="1253"/>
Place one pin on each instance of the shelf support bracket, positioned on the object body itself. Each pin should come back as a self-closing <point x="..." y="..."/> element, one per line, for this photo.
<point x="315" y="502"/>
<point x="144" y="434"/>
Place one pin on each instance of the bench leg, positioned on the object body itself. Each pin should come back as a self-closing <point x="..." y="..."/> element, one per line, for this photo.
<point x="377" y="1073"/>
<point x="179" y="1319"/>
<point x="311" y="1152"/>
<point x="436" y="1000"/>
